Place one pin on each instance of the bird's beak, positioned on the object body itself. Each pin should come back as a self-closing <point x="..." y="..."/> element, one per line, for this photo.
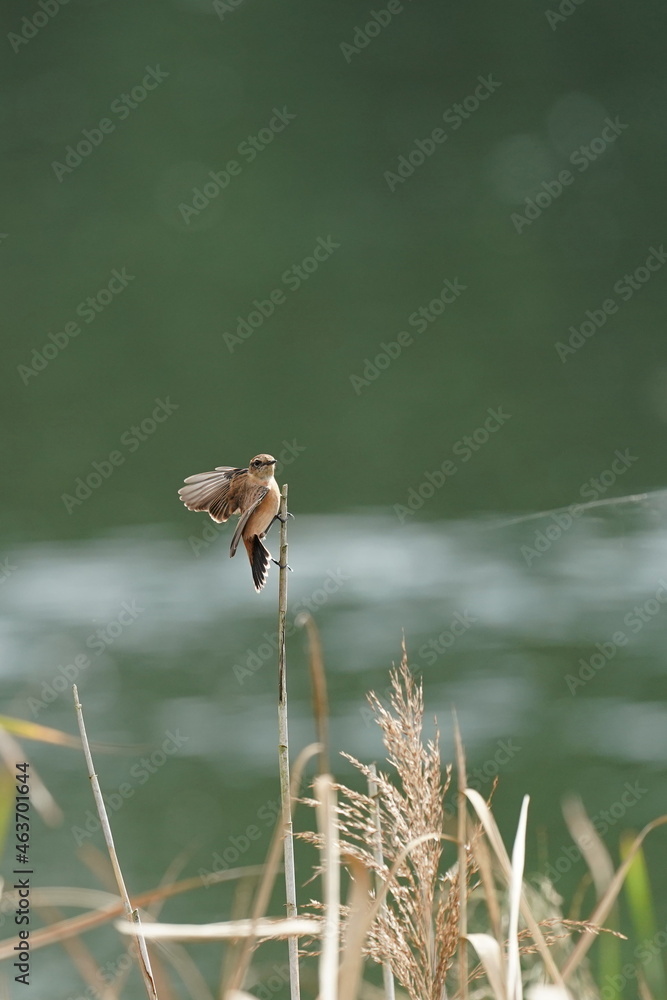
<point x="270" y="463"/>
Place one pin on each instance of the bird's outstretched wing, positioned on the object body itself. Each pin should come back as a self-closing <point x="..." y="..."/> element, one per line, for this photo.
<point x="261" y="493"/>
<point x="213" y="491"/>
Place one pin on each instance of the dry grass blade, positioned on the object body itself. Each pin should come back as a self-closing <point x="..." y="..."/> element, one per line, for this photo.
<point x="483" y="859"/>
<point x="491" y="957"/>
<point x="34" y="731"/>
<point x="644" y="991"/>
<point x="590" y="843"/>
<point x="358" y="904"/>
<point x="326" y="819"/>
<point x="514" y="987"/>
<point x="133" y="915"/>
<point x="228" y="930"/>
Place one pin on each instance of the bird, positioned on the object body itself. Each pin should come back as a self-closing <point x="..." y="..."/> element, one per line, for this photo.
<point x="252" y="493"/>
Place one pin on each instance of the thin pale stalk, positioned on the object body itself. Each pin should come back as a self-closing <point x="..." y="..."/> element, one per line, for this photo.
<point x="463" y="863"/>
<point x="283" y="752"/>
<point x="230" y="930"/>
<point x="132" y="914"/>
<point x="326" y="818"/>
<point x="378" y="854"/>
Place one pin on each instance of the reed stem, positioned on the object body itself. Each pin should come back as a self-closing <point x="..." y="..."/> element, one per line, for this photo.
<point x="283" y="752"/>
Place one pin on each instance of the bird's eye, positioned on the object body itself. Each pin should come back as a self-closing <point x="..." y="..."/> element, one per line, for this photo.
<point x="256" y="462"/>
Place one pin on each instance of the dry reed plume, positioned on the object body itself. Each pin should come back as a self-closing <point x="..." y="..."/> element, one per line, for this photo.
<point x="416" y="931"/>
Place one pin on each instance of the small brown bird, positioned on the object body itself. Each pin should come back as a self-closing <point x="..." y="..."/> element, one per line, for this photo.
<point x="253" y="493"/>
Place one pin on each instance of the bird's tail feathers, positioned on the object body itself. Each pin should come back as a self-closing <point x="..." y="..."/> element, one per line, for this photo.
<point x="259" y="561"/>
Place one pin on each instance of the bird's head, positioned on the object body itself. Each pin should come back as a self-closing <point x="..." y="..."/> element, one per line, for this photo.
<point x="262" y="466"/>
